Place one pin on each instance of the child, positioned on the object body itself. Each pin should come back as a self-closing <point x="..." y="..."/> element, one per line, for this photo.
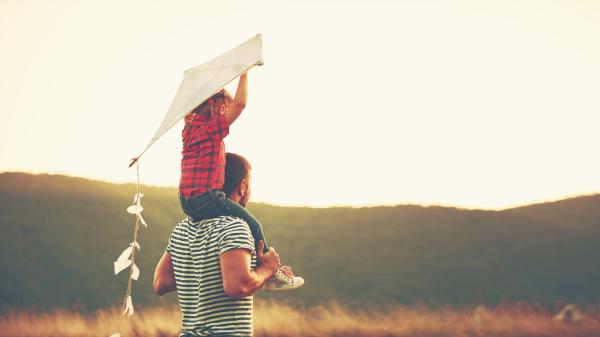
<point x="203" y="169"/>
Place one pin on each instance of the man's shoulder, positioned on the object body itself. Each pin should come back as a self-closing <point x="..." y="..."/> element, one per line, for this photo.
<point x="220" y="222"/>
<point x="234" y="233"/>
<point x="217" y="228"/>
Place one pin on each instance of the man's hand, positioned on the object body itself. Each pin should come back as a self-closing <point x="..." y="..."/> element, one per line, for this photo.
<point x="269" y="260"/>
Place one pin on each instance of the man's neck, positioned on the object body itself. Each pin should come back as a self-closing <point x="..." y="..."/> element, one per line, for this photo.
<point x="235" y="197"/>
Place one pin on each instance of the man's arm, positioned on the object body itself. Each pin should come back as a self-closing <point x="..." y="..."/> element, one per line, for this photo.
<point x="239" y="280"/>
<point x="239" y="101"/>
<point x="164" y="277"/>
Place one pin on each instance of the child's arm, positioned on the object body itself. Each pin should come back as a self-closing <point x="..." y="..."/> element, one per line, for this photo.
<point x="239" y="102"/>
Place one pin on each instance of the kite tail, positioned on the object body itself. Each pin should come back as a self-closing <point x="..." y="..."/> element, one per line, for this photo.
<point x="127" y="257"/>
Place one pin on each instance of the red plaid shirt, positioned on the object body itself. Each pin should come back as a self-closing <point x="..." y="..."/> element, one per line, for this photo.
<point x="203" y="155"/>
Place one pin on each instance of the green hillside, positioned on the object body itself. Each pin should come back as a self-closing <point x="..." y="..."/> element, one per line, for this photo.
<point x="60" y="236"/>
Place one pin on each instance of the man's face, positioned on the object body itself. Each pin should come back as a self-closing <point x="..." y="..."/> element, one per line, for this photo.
<point x="245" y="190"/>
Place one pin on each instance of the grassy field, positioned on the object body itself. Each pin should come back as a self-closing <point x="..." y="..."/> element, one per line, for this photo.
<point x="275" y="319"/>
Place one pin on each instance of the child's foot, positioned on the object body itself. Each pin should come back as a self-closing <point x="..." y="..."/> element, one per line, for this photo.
<point x="283" y="280"/>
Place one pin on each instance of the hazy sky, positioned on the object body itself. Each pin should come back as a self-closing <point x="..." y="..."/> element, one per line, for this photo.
<point x="485" y="104"/>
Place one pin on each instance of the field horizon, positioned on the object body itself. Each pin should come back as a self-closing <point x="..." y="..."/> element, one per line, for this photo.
<point x="392" y="204"/>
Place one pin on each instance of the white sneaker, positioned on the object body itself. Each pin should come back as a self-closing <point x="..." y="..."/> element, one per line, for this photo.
<point x="281" y="282"/>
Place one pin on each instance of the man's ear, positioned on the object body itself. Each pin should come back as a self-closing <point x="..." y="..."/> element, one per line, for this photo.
<point x="239" y="190"/>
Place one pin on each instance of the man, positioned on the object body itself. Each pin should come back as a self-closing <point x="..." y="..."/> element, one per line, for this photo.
<point x="212" y="265"/>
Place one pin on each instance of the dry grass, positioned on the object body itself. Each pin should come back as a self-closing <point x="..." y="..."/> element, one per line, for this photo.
<point x="273" y="319"/>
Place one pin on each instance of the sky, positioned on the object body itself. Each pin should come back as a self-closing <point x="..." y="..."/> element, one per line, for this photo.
<point x="474" y="104"/>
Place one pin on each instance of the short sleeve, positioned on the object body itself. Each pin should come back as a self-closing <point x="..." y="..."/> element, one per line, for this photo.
<point x="235" y="234"/>
<point x="220" y="127"/>
<point x="176" y="238"/>
<point x="169" y="246"/>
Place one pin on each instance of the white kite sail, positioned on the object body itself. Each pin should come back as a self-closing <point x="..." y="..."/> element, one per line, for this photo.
<point x="201" y="82"/>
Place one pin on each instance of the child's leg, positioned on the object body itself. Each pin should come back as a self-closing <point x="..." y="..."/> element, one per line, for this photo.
<point x="215" y="203"/>
<point x="201" y="207"/>
<point x="236" y="210"/>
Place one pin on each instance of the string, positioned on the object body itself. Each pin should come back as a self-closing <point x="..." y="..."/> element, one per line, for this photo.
<point x="136" y="227"/>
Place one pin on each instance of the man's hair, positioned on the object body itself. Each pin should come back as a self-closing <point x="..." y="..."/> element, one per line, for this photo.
<point x="236" y="169"/>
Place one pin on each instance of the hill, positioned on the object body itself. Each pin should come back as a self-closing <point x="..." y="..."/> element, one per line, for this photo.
<point x="61" y="234"/>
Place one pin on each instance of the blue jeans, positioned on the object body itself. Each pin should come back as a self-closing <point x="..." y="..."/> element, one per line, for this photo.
<point x="215" y="203"/>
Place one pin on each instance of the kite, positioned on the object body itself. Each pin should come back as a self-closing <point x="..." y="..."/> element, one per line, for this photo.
<point x="198" y="85"/>
<point x="201" y="82"/>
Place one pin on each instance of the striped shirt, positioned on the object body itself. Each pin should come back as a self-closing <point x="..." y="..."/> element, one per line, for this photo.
<point x="195" y="248"/>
